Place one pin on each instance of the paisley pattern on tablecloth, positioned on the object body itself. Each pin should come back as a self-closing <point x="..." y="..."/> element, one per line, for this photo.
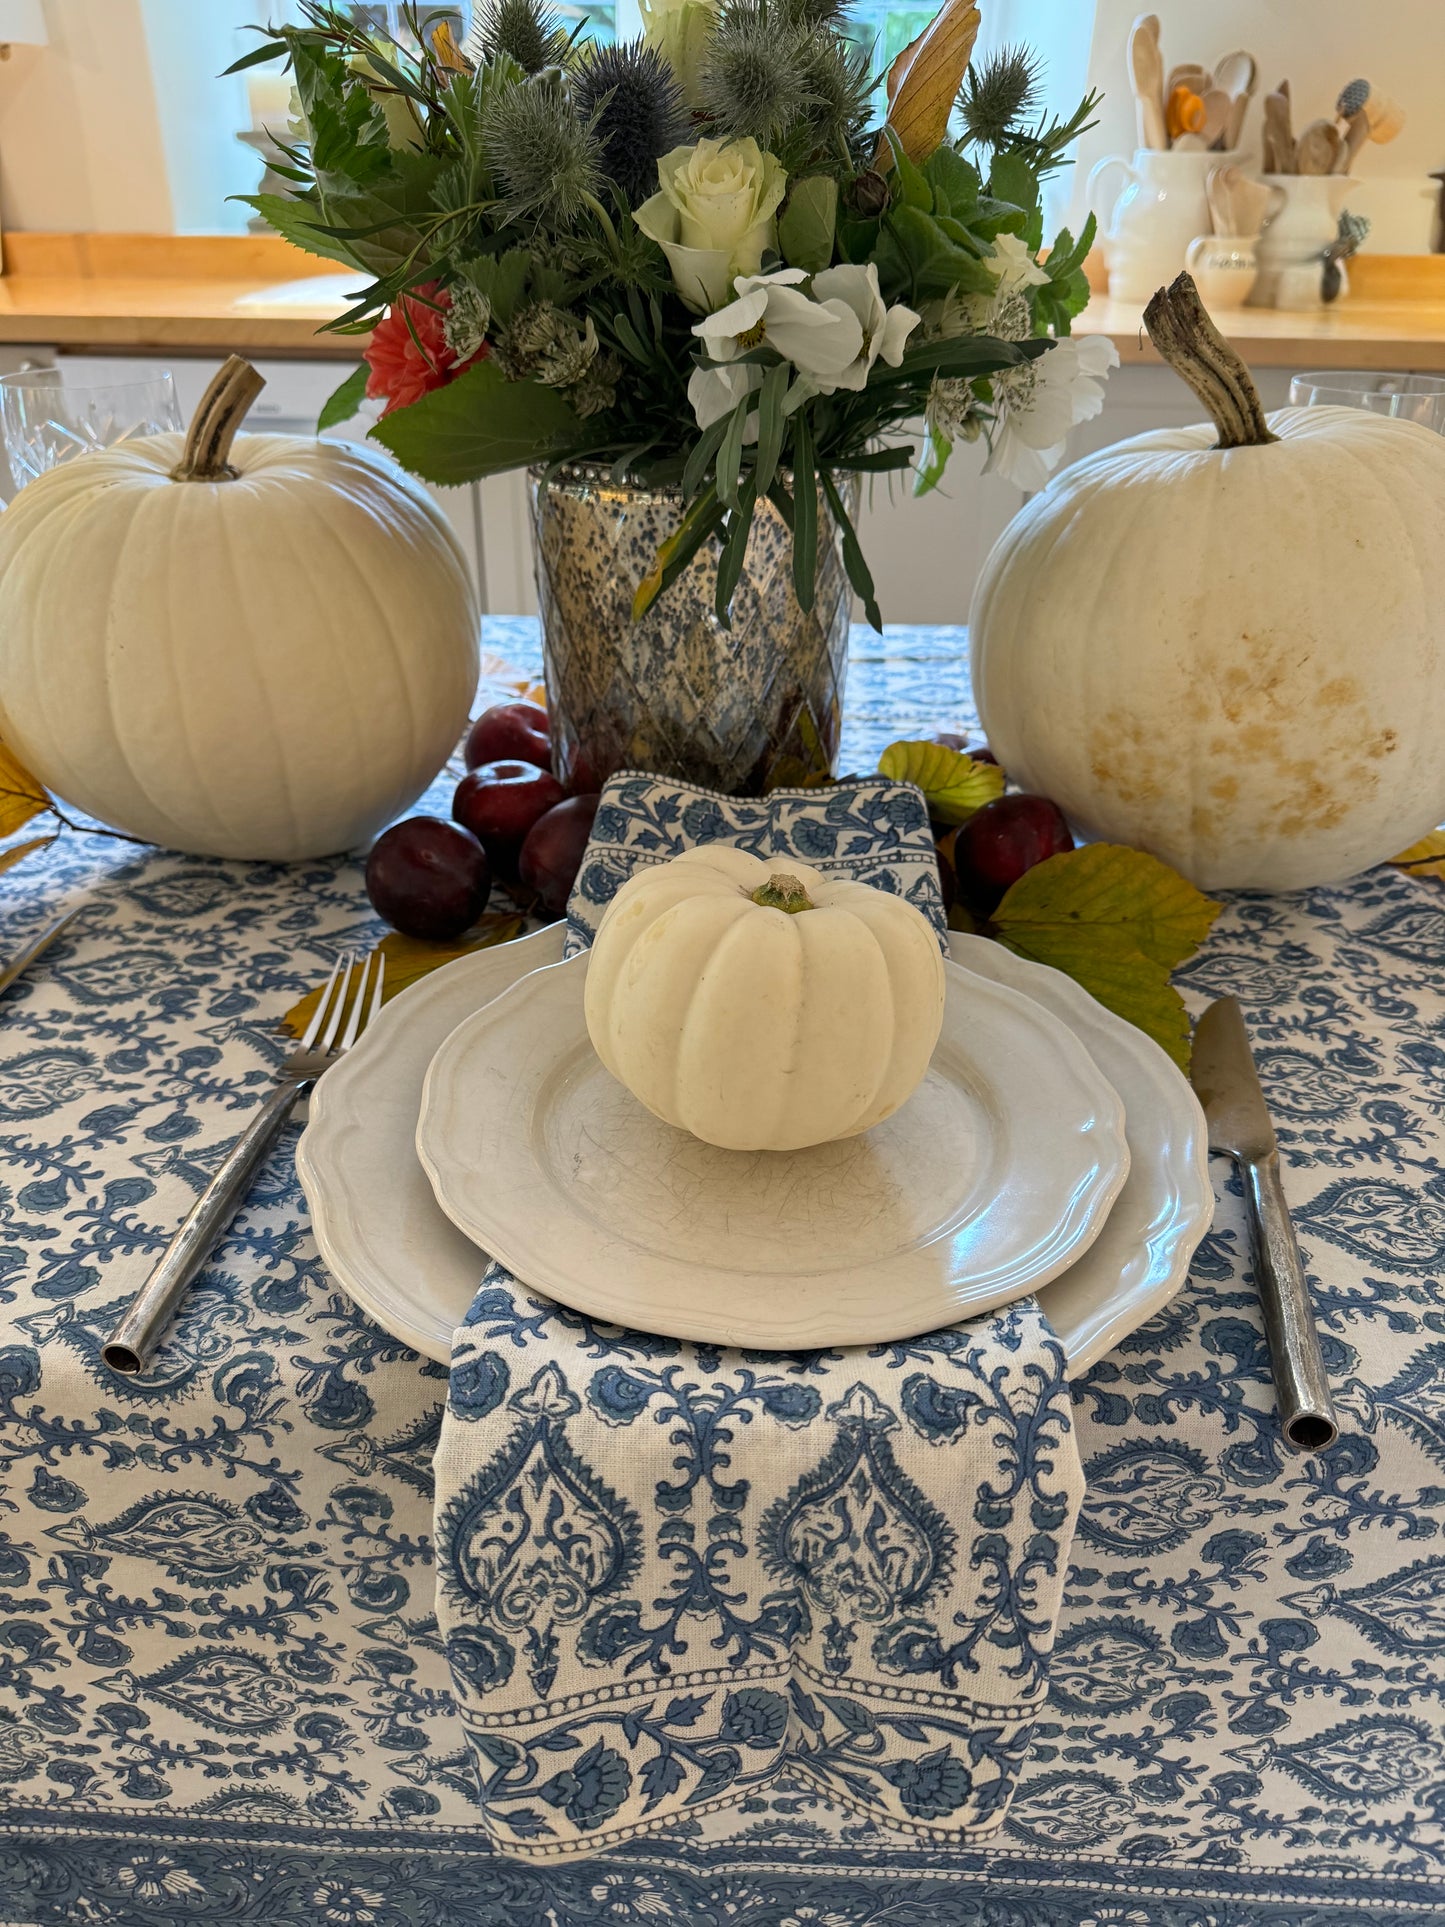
<point x="1247" y="1721"/>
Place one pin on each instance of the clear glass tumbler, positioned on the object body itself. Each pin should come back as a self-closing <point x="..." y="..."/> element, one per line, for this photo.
<point x="1410" y="398"/>
<point x="48" y="417"/>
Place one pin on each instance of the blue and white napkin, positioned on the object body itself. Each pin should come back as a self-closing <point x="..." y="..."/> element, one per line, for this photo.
<point x="665" y="1571"/>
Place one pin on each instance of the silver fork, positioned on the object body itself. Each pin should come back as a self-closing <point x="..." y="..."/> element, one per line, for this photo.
<point x="135" y="1337"/>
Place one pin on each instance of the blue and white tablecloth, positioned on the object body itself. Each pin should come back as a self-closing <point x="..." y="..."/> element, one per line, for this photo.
<point x="222" y="1693"/>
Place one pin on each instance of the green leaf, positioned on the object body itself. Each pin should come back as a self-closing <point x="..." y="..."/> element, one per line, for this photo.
<point x="805" y="512"/>
<point x="480" y="424"/>
<point x="860" y="576"/>
<point x="953" y="785"/>
<point x="502" y="279"/>
<point x="915" y="255"/>
<point x="700" y="457"/>
<point x="344" y="401"/>
<point x="1117" y="921"/>
<point x="954" y="182"/>
<point x="702" y="520"/>
<point x="1107" y="883"/>
<point x="730" y="453"/>
<point x="805" y="232"/>
<point x="772" y="424"/>
<point x="734" y="551"/>
<point x="296" y="221"/>
<point x="268" y="50"/>
<point x="1013" y="181"/>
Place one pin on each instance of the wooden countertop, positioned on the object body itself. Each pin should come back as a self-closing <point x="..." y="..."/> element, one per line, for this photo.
<point x="196" y="294"/>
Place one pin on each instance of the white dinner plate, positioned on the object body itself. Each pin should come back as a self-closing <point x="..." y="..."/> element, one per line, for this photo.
<point x="997" y="1173"/>
<point x="388" y="1244"/>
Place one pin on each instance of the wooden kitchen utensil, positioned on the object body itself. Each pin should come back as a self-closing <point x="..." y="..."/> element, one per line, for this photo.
<point x="1356" y="134"/>
<point x="1146" y="74"/>
<point x="1238" y="205"/>
<point x="1191" y="75"/>
<point x="1318" y="148"/>
<point x="1278" y="133"/>
<point x="1217" y="108"/>
<point x="1235" y="74"/>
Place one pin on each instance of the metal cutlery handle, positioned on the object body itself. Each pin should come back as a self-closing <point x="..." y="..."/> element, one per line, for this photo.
<point x="1306" y="1409"/>
<point x="129" y="1345"/>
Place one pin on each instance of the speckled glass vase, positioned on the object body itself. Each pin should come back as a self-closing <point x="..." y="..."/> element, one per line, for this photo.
<point x="741" y="710"/>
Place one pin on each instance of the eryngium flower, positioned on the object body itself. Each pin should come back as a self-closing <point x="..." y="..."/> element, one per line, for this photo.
<point x="753" y="81"/>
<point x="543" y="152"/>
<point x="996" y="96"/>
<point x="635" y="106"/>
<point x="528" y="30"/>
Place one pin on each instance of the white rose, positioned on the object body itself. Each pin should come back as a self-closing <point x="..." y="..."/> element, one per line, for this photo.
<point x="714" y="215"/>
<point x="679" y="30"/>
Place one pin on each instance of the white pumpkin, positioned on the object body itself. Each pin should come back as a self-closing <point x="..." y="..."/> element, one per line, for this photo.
<point x="1233" y="657"/>
<point x="757" y="1026"/>
<point x="269" y="656"/>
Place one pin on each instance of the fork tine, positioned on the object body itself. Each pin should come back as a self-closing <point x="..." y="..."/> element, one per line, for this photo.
<point x="380" y="980"/>
<point x="353" y="1023"/>
<point x="328" y="1036"/>
<point x="313" y="1029"/>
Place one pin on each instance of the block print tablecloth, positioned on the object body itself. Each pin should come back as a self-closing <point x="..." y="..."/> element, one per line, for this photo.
<point x="221" y="1690"/>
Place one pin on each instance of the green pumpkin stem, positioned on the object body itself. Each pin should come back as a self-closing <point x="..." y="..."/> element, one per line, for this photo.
<point x="1179" y="327"/>
<point x="782" y="892"/>
<point x="218" y="415"/>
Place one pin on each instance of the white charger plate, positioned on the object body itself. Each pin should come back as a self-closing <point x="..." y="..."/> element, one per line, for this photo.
<point x="997" y="1173"/>
<point x="388" y="1243"/>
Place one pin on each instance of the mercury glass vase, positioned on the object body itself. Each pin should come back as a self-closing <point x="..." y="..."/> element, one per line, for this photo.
<point x="740" y="710"/>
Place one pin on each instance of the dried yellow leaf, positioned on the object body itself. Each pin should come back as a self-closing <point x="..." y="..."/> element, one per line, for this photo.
<point x="953" y="784"/>
<point x="9" y="858"/>
<point x="408" y="959"/>
<point x="21" y="794"/>
<point x="1425" y="858"/>
<point x="924" y="80"/>
<point x="449" y="55"/>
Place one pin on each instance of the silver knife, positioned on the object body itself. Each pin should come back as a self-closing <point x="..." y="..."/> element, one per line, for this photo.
<point x="18" y="965"/>
<point x="1227" y="1085"/>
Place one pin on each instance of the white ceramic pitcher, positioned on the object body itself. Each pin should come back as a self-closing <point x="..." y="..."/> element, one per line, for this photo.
<point x="1305" y="221"/>
<point x="1149" y="210"/>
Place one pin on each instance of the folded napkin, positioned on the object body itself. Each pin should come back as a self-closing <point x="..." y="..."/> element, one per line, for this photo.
<point x="665" y="1570"/>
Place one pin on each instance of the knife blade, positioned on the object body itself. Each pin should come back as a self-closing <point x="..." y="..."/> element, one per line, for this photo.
<point x="21" y="962"/>
<point x="1226" y="1082"/>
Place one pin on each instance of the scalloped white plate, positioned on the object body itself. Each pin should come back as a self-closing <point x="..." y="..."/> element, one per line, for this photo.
<point x="389" y="1245"/>
<point x="993" y="1178"/>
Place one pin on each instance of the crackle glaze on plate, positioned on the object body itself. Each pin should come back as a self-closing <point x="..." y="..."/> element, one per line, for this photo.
<point x="387" y="1242"/>
<point x="996" y="1174"/>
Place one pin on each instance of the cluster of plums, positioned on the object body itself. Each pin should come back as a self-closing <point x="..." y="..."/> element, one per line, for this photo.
<point x="512" y="822"/>
<point x="998" y="844"/>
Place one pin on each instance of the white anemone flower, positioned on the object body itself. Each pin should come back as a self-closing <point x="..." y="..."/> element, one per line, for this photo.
<point x="820" y="339"/>
<point x="1037" y="403"/>
<point x="885" y="330"/>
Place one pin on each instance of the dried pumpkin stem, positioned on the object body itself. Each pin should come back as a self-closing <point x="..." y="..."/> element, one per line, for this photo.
<point x="213" y="427"/>
<point x="782" y="892"/>
<point x="1180" y="328"/>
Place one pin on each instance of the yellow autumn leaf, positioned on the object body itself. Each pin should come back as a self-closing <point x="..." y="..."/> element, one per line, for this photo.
<point x="1117" y="921"/>
<point x="1425" y="858"/>
<point x="9" y="858"/>
<point x="21" y="794"/>
<point x="449" y="56"/>
<point x="953" y="785"/>
<point x="500" y="681"/>
<point x="924" y="80"/>
<point x="408" y="959"/>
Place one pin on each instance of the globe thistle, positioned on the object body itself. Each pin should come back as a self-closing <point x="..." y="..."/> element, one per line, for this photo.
<point x="544" y="154"/>
<point x="838" y="78"/>
<point x="631" y="98"/>
<point x="813" y="14"/>
<point x="753" y="82"/>
<point x="528" y="30"/>
<point x="998" y="95"/>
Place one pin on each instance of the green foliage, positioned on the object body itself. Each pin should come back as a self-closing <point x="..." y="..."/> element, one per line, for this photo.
<point x="506" y="190"/>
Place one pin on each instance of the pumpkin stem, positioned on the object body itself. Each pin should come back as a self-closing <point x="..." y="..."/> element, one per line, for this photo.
<point x="782" y="892"/>
<point x="218" y="415"/>
<point x="1180" y="328"/>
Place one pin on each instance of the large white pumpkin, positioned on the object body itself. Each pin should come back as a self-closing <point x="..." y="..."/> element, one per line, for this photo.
<point x="757" y="1026"/>
<point x="1233" y="657"/>
<point x="266" y="656"/>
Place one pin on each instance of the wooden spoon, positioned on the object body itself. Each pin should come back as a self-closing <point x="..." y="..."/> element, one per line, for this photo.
<point x="1217" y="108"/>
<point x="1235" y="73"/>
<point x="1191" y="75"/>
<point x="1278" y="134"/>
<point x="1318" y="148"/>
<point x="1146" y="73"/>
<point x="1357" y="133"/>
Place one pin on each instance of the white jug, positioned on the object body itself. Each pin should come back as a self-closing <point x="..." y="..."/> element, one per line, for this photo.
<point x="1156" y="207"/>
<point x="1292" y="240"/>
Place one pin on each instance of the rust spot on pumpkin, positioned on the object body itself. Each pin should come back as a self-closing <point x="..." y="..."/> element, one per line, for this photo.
<point x="1338" y="693"/>
<point x="1225" y="789"/>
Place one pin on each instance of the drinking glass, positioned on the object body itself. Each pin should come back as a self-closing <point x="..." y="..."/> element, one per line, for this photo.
<point x="1410" y="398"/>
<point x="47" y="418"/>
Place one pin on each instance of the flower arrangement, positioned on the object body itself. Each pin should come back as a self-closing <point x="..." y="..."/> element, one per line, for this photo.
<point x="697" y="259"/>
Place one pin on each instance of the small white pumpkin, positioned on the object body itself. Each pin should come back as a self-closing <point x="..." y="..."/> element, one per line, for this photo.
<point x="269" y="655"/>
<point x="763" y="1006"/>
<point x="1226" y="644"/>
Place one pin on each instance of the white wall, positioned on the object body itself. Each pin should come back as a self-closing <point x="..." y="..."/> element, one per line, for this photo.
<point x="1317" y="45"/>
<point x="121" y="124"/>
